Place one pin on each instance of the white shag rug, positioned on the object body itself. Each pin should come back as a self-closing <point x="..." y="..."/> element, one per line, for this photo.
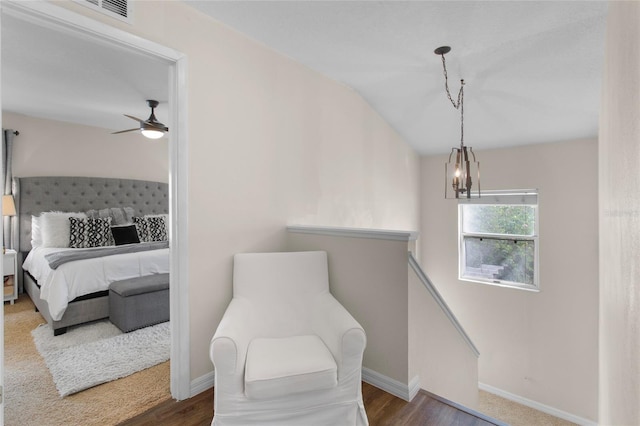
<point x="97" y="353"/>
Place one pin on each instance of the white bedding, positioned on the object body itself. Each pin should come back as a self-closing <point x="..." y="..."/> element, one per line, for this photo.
<point x="60" y="286"/>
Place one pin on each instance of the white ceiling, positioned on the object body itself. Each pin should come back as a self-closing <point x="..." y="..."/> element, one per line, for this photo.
<point x="54" y="75"/>
<point x="532" y="69"/>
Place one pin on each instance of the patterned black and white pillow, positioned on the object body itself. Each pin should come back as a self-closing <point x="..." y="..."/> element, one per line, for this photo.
<point x="78" y="228"/>
<point x="99" y="234"/>
<point x="142" y="226"/>
<point x="151" y="228"/>
<point x="89" y="232"/>
<point x="157" y="228"/>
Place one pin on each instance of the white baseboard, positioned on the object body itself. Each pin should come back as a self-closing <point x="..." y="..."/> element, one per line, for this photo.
<point x="414" y="387"/>
<point x="537" y="405"/>
<point x="392" y="386"/>
<point x="202" y="383"/>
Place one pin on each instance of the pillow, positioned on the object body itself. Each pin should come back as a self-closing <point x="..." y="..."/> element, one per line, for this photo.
<point x="89" y="232"/>
<point x="125" y="234"/>
<point x="78" y="228"/>
<point x="166" y="222"/>
<point x="54" y="227"/>
<point x="142" y="228"/>
<point x="92" y="214"/>
<point x="99" y="234"/>
<point x="165" y="215"/>
<point x="122" y="215"/>
<point x="118" y="215"/>
<point x="36" y="233"/>
<point x="157" y="228"/>
<point x="151" y="228"/>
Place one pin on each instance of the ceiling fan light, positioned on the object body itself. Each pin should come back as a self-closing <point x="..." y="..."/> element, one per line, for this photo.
<point x="152" y="133"/>
<point x="150" y="128"/>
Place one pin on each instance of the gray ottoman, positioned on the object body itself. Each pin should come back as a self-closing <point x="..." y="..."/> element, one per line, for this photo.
<point x="139" y="302"/>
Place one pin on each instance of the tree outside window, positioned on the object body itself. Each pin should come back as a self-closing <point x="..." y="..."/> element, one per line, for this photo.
<point x="498" y="242"/>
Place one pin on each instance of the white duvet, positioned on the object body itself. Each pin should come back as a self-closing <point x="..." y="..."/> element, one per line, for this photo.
<point x="70" y="280"/>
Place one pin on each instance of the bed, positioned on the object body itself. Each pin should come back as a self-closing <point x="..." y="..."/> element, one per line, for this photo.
<point x="35" y="195"/>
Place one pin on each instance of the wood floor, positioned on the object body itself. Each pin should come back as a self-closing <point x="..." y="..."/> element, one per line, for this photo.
<point x="382" y="409"/>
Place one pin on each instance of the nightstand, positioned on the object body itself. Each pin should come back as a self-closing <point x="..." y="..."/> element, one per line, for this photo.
<point x="10" y="268"/>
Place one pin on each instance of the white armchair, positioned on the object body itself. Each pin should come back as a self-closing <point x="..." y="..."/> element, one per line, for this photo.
<point x="286" y="351"/>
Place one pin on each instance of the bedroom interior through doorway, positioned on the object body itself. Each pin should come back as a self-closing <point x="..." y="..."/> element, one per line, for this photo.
<point x="54" y="17"/>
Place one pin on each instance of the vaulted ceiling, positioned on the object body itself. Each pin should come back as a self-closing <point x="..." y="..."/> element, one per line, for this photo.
<point x="532" y="69"/>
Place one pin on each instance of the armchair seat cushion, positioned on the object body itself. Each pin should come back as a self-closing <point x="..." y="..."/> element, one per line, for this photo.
<point x="277" y="367"/>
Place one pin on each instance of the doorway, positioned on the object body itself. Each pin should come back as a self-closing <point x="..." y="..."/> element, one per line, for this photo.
<point x="53" y="17"/>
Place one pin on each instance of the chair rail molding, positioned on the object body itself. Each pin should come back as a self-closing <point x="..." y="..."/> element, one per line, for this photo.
<point x="378" y="234"/>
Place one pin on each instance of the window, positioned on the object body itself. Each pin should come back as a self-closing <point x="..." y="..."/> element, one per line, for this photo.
<point x="499" y="239"/>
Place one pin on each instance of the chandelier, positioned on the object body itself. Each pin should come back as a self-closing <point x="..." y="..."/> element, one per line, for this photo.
<point x="462" y="164"/>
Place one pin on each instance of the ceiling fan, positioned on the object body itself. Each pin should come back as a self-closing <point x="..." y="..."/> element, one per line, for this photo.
<point x="151" y="127"/>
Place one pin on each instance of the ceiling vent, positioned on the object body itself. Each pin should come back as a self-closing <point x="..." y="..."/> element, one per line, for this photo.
<point x="119" y="9"/>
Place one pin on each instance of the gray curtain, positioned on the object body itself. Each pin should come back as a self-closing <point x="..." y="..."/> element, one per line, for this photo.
<point x="7" y="150"/>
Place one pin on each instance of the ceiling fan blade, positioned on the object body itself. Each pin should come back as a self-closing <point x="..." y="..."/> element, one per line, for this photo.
<point x="149" y="124"/>
<point x="125" y="131"/>
<point x="157" y="125"/>
<point x="134" y="118"/>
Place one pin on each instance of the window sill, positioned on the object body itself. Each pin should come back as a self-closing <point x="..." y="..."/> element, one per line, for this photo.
<point x="506" y="284"/>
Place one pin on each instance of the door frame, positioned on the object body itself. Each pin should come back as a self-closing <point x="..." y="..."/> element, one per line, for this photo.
<point x="52" y="16"/>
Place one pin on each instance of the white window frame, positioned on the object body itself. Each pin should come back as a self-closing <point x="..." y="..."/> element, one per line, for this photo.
<point x="527" y="197"/>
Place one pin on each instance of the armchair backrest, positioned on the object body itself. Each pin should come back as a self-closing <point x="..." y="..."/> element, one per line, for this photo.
<point x="280" y="276"/>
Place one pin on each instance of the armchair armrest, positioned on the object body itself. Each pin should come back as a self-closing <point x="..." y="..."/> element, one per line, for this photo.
<point x="342" y="334"/>
<point x="228" y="348"/>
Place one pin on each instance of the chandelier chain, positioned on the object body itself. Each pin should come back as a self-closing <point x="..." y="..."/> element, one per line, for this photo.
<point x="459" y="104"/>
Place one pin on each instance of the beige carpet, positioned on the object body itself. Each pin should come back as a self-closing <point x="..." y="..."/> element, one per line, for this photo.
<point x="30" y="394"/>
<point x="515" y="414"/>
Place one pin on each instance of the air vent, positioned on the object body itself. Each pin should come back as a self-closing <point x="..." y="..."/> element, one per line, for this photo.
<point x="119" y="9"/>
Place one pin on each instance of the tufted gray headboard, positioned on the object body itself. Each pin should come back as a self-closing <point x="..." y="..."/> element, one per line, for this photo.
<point x="34" y="195"/>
